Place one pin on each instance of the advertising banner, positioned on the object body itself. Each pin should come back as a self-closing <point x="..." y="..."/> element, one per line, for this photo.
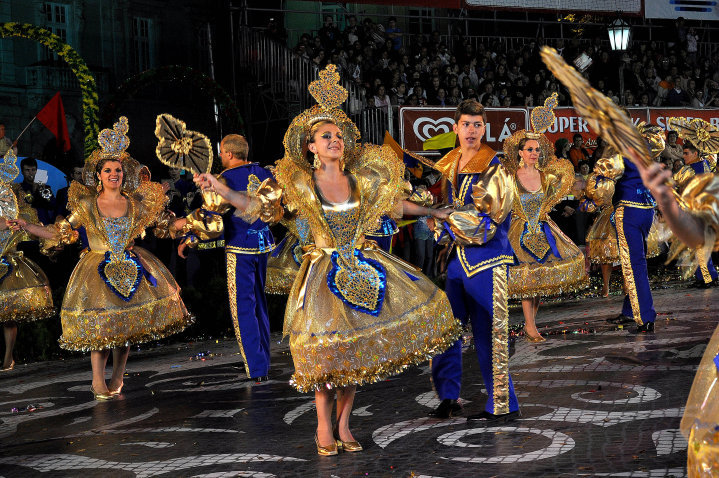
<point x="628" y="6"/>
<point x="706" y="10"/>
<point x="420" y="123"/>
<point x="659" y="116"/>
<point x="569" y="122"/>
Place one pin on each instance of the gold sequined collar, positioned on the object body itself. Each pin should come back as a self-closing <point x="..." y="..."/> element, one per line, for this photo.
<point x="478" y="164"/>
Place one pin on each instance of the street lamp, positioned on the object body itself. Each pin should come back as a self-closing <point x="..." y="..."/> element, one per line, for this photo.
<point x="618" y="34"/>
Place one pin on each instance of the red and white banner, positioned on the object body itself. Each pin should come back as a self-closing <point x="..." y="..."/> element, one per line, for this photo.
<point x="418" y="124"/>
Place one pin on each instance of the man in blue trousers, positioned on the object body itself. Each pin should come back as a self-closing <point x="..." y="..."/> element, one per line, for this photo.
<point x="247" y="245"/>
<point x="617" y="180"/>
<point x="480" y="190"/>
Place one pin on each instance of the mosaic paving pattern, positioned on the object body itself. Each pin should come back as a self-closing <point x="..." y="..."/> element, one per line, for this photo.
<point x="602" y="404"/>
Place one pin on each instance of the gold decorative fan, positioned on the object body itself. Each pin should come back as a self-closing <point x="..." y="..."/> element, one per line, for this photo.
<point x="602" y="114"/>
<point x="181" y="148"/>
<point x="698" y="132"/>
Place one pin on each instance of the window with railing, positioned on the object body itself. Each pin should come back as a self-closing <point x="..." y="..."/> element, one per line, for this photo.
<point x="142" y="43"/>
<point x="56" y="17"/>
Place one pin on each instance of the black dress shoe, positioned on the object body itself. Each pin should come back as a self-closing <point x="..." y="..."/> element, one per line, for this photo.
<point x="447" y="408"/>
<point x="702" y="284"/>
<point x="647" y="328"/>
<point x="620" y="319"/>
<point x="488" y="418"/>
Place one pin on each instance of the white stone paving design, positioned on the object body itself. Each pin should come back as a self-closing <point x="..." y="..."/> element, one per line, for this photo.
<point x="560" y="443"/>
<point x="64" y="462"/>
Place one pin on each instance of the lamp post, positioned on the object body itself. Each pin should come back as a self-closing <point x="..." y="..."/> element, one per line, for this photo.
<point x="619" y="31"/>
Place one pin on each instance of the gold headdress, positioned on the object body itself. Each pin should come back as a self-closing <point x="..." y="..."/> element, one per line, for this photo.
<point x="113" y="145"/>
<point x="654" y="137"/>
<point x="329" y="95"/>
<point x="542" y="118"/>
<point x="698" y="132"/>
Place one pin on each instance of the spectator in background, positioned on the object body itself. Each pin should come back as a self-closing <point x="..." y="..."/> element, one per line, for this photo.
<point x="329" y="33"/>
<point x="561" y="148"/>
<point x="38" y="195"/>
<point x="394" y="33"/>
<point x="351" y="31"/>
<point x="598" y="152"/>
<point x="672" y="151"/>
<point x="381" y="99"/>
<point x="61" y="201"/>
<point x="677" y="96"/>
<point x="678" y="164"/>
<point x="578" y="152"/>
<point x="5" y="143"/>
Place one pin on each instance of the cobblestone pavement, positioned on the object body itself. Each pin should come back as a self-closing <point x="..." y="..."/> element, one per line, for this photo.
<point x="601" y="404"/>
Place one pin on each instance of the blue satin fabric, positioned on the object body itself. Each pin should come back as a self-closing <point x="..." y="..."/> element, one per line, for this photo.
<point x="382" y="285"/>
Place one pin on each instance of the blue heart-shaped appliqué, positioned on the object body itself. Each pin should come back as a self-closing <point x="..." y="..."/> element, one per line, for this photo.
<point x="360" y="285"/>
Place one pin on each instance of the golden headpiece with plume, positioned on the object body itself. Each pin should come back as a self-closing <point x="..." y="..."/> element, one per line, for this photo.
<point x="329" y="95"/>
<point x="113" y="145"/>
<point x="541" y="118"/>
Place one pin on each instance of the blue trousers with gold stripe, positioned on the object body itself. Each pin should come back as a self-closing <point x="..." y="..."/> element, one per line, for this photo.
<point x="246" y="274"/>
<point x="706" y="273"/>
<point x="633" y="226"/>
<point x="481" y="300"/>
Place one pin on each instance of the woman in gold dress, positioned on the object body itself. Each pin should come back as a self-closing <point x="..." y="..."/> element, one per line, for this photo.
<point x="119" y="294"/>
<point x="696" y="227"/>
<point x="546" y="261"/>
<point x="355" y="314"/>
<point x="25" y="293"/>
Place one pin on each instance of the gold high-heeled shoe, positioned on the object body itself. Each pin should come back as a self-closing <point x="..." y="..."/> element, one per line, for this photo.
<point x="329" y="450"/>
<point x="9" y="367"/>
<point x="101" y="397"/>
<point x="530" y="338"/>
<point x="117" y="391"/>
<point x="349" y="446"/>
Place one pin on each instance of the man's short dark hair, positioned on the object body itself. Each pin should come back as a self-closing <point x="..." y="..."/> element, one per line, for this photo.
<point x="470" y="107"/>
<point x="672" y="133"/>
<point x="688" y="145"/>
<point x="31" y="162"/>
<point x="577" y="135"/>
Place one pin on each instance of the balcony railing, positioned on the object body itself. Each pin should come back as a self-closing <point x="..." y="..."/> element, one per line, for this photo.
<point x="60" y="79"/>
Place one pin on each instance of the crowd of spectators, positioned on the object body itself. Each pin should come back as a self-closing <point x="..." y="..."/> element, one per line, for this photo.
<point x="391" y="67"/>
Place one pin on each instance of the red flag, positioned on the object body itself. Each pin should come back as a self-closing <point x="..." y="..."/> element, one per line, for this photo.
<point x="53" y="117"/>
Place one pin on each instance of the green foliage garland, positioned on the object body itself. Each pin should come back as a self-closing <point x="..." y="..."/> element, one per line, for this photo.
<point x="78" y="66"/>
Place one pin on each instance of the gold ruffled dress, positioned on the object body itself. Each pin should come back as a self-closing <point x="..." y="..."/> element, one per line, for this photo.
<point x="546" y="262"/>
<point x="700" y="423"/>
<point x="25" y="293"/>
<point x="357" y="314"/>
<point x="602" y="238"/>
<point x="284" y="262"/>
<point x="118" y="294"/>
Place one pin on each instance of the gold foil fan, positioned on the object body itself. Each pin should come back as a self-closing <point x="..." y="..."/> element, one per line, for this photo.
<point x="179" y="147"/>
<point x="698" y="132"/>
<point x="603" y="115"/>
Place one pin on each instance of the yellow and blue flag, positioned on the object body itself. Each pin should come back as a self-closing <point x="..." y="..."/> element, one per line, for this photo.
<point x="413" y="162"/>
